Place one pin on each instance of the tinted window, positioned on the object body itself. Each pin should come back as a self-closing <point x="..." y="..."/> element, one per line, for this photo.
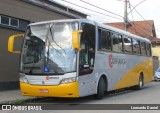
<point x="127" y="45"/>
<point x="143" y="48"/>
<point x="87" y="53"/>
<point x="136" y="46"/>
<point x="148" y="49"/>
<point x="104" y="40"/>
<point x="14" y="22"/>
<point x="4" y="20"/>
<point x="116" y="42"/>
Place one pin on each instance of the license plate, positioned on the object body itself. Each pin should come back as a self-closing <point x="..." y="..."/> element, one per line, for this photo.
<point x="43" y="90"/>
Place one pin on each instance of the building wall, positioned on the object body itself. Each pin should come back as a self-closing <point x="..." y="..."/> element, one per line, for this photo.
<point x="9" y="63"/>
<point x="156" y="52"/>
<point x="26" y="11"/>
<point x="156" y="58"/>
<point x="155" y="64"/>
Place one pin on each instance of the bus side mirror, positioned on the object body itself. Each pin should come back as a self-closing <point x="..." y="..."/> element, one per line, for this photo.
<point x="11" y="42"/>
<point x="75" y="39"/>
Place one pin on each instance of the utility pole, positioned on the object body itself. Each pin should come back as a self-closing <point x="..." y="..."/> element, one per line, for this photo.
<point x="125" y="15"/>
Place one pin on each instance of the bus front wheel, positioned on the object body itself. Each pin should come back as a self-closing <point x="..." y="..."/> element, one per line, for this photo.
<point x="101" y="89"/>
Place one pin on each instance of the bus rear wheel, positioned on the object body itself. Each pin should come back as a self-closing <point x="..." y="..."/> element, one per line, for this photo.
<point x="141" y="83"/>
<point x="101" y="89"/>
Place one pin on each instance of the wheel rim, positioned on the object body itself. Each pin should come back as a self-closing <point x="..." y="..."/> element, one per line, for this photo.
<point x="141" y="83"/>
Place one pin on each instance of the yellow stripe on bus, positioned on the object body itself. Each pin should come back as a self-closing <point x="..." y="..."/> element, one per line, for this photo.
<point x="131" y="78"/>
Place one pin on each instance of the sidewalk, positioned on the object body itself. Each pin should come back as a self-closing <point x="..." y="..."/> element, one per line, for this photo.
<point x="12" y="96"/>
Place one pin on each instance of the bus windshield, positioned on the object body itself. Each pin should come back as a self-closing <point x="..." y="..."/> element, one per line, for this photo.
<point x="48" y="49"/>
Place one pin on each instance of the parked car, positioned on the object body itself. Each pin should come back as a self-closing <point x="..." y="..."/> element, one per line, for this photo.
<point x="157" y="74"/>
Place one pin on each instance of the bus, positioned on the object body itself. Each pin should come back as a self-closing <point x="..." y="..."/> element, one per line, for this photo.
<point x="80" y="57"/>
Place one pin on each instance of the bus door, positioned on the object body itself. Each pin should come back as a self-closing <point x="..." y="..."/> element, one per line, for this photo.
<point x="86" y="58"/>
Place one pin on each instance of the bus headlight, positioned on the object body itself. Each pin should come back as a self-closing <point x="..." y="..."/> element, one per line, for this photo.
<point x="68" y="80"/>
<point x="23" y="78"/>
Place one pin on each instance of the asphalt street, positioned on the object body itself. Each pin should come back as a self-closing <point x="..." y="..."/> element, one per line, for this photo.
<point x="149" y="95"/>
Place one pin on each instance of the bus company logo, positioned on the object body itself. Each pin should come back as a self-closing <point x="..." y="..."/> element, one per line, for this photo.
<point x="47" y="77"/>
<point x="115" y="60"/>
<point x="109" y="60"/>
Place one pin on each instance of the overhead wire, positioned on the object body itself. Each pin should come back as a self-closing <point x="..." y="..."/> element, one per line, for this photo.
<point x="132" y="17"/>
<point x="137" y="5"/>
<point x="105" y="10"/>
<point x="120" y="0"/>
<point x="134" y="8"/>
<point x="115" y="13"/>
<point x="141" y="16"/>
<point x="102" y="9"/>
<point x="92" y="10"/>
<point x="100" y="17"/>
<point x="143" y="29"/>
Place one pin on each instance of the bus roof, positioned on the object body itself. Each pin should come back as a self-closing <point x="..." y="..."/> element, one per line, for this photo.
<point x="95" y="23"/>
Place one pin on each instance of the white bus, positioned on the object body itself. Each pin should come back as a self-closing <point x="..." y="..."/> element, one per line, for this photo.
<point x="80" y="57"/>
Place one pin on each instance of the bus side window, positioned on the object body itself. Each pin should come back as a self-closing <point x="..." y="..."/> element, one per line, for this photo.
<point x="104" y="40"/>
<point x="143" y="48"/>
<point x="136" y="46"/>
<point x="117" y="43"/>
<point x="127" y="45"/>
<point x="148" y="49"/>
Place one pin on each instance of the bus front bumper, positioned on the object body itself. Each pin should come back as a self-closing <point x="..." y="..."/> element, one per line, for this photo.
<point x="62" y="90"/>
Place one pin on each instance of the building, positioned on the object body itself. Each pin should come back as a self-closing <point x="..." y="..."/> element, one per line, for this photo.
<point x="15" y="15"/>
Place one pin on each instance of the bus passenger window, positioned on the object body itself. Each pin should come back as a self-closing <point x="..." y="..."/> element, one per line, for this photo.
<point x="136" y="46"/>
<point x="117" y="43"/>
<point x="104" y="40"/>
<point x="143" y="48"/>
<point x="127" y="45"/>
<point x="148" y="49"/>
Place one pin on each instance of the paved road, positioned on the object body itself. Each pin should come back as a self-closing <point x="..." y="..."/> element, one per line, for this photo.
<point x="149" y="95"/>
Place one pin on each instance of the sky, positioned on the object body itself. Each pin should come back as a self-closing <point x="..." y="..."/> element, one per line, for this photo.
<point x="148" y="9"/>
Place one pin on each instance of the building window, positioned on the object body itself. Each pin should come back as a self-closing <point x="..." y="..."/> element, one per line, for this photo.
<point x="5" y="20"/>
<point x="9" y="21"/>
<point x="13" y="23"/>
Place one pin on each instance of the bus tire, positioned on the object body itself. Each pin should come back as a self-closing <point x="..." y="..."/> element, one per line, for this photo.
<point x="101" y="89"/>
<point x="141" y="83"/>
